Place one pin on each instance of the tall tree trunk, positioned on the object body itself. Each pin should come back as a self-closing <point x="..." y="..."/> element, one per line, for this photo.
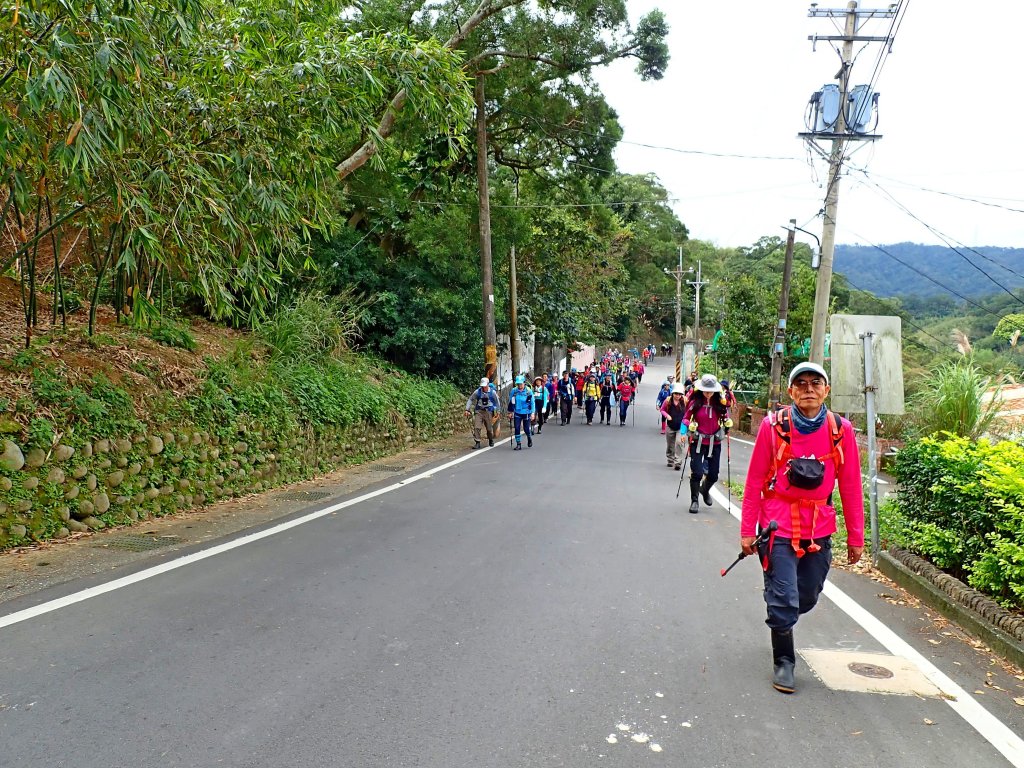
<point x="486" y="267"/>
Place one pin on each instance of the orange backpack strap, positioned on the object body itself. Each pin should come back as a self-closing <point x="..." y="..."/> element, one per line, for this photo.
<point x="782" y="426"/>
<point x="835" y="426"/>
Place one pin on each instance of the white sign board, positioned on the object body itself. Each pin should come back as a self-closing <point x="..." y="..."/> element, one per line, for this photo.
<point x="847" y="376"/>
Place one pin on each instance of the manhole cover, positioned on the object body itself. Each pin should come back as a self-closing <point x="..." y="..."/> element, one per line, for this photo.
<point x="388" y="468"/>
<point x="305" y="496"/>
<point x="133" y="543"/>
<point x="870" y="670"/>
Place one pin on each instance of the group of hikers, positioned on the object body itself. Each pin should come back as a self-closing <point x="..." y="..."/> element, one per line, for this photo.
<point x="612" y="380"/>
<point x="802" y="452"/>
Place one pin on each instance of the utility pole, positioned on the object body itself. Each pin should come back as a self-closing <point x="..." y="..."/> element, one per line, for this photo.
<point x="840" y="135"/>
<point x="775" y="395"/>
<point x="513" y="305"/>
<point x="486" y="268"/>
<point x="678" y="275"/>
<point x="698" y="284"/>
<point x="513" y="311"/>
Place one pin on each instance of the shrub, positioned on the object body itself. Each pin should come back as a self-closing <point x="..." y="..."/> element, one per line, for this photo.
<point x="961" y="504"/>
<point x="952" y="400"/>
<point x="313" y="328"/>
<point x="172" y="335"/>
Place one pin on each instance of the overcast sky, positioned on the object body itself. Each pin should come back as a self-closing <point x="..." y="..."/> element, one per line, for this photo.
<point x="739" y="81"/>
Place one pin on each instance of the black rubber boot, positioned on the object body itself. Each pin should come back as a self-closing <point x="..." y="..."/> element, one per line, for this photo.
<point x="784" y="657"/>
<point x="705" y="491"/>
<point x="490" y="443"/>
<point x="694" y="488"/>
<point x="529" y="442"/>
<point x="476" y="445"/>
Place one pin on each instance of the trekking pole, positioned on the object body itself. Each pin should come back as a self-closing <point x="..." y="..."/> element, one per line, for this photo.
<point x="634" y="414"/>
<point x="761" y="539"/>
<point x="728" y="469"/>
<point x="682" y="473"/>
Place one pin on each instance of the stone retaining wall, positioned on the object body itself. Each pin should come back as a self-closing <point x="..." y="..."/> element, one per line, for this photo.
<point x="998" y="628"/>
<point x="115" y="480"/>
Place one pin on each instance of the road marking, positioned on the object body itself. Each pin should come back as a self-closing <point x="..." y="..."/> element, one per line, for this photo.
<point x="148" y="573"/>
<point x="991" y="728"/>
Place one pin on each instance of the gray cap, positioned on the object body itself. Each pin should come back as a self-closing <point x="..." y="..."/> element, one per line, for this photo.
<point x="807" y="367"/>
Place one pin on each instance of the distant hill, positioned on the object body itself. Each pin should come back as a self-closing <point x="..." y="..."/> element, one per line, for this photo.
<point x="872" y="270"/>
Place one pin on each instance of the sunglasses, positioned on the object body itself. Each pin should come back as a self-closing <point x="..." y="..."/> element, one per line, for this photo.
<point x="809" y="384"/>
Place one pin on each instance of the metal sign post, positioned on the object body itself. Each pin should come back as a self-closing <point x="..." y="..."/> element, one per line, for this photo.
<point x="869" y="405"/>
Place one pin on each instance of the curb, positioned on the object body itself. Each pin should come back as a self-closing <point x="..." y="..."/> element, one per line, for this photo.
<point x="981" y="616"/>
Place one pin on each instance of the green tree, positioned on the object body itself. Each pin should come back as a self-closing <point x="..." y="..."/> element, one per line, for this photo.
<point x="193" y="139"/>
<point x="1009" y="328"/>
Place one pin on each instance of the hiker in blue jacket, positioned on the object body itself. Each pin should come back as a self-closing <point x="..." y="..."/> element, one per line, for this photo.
<point x="521" y="408"/>
<point x="566" y="393"/>
<point x="663" y="395"/>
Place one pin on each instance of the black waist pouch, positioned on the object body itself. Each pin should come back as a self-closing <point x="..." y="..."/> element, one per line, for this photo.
<point x="806" y="474"/>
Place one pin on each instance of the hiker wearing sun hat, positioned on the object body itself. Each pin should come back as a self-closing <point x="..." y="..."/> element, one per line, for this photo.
<point x="672" y="410"/>
<point x="540" y="402"/>
<point x="704" y="418"/>
<point x="801" y="453"/>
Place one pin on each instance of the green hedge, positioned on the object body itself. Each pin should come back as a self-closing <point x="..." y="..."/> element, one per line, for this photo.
<point x="961" y="505"/>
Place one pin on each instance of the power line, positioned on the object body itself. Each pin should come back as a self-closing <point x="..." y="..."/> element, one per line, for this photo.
<point x="946" y="239"/>
<point x="965" y="198"/>
<point x="903" y="319"/>
<point x="678" y="150"/>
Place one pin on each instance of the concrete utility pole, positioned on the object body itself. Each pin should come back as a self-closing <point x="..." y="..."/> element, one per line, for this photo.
<point x="779" y="349"/>
<point x="840" y="136"/>
<point x="486" y="268"/>
<point x="513" y="304"/>
<point x="698" y="284"/>
<point x="513" y="312"/>
<point x="678" y="275"/>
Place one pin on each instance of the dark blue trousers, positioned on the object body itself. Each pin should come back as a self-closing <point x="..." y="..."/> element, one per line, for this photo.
<point x="792" y="585"/>
<point x="523" y="421"/>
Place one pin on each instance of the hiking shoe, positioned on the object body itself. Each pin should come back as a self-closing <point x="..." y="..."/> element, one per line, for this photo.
<point x="476" y="445"/>
<point x="490" y="443"/>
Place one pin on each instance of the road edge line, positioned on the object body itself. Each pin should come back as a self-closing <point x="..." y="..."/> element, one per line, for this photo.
<point x="147" y="573"/>
<point x="990" y="727"/>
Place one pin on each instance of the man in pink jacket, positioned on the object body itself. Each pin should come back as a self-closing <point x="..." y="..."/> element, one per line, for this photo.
<point x="801" y="452"/>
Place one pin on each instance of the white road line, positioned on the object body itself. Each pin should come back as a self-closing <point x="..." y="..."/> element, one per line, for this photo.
<point x="148" y="573"/>
<point x="991" y="728"/>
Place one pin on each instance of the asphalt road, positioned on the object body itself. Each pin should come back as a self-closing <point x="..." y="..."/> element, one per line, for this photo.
<point x="516" y="609"/>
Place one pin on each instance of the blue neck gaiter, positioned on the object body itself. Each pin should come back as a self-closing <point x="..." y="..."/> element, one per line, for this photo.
<point x="807" y="426"/>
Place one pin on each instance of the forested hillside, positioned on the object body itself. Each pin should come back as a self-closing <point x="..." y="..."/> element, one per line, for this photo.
<point x="911" y="269"/>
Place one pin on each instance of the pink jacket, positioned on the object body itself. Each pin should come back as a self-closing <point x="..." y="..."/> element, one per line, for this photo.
<point x="758" y="511"/>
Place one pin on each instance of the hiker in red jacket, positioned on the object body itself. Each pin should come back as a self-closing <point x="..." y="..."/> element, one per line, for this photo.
<point x="625" y="394"/>
<point x="801" y="453"/>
